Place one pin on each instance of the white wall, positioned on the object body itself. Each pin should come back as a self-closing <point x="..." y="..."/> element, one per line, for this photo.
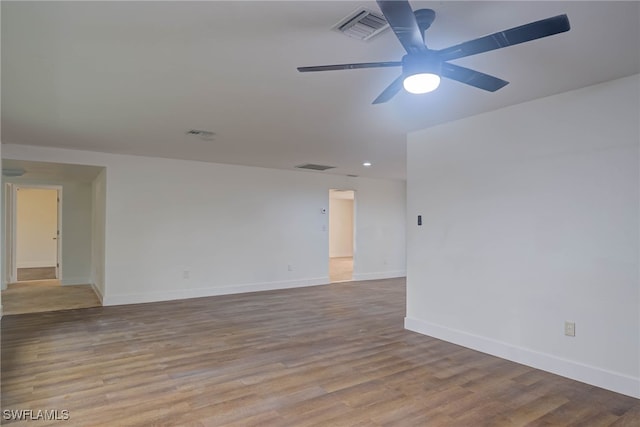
<point x="98" y="237"/>
<point x="36" y="227"/>
<point x="76" y="227"/>
<point x="340" y="227"/>
<point x="231" y="228"/>
<point x="76" y="233"/>
<point x="2" y="239"/>
<point x="380" y="238"/>
<point x="531" y="218"/>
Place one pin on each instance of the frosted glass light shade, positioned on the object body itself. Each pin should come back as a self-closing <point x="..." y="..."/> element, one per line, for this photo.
<point x="421" y="83"/>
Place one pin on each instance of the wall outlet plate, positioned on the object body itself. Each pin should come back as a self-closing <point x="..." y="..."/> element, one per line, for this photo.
<point x="569" y="329"/>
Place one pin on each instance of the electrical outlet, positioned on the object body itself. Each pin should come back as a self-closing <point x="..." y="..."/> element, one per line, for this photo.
<point x="570" y="329"/>
<point x="289" y="267"/>
<point x="185" y="274"/>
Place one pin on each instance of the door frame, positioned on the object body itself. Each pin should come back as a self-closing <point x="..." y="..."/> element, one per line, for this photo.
<point x="11" y="233"/>
<point x="354" y="219"/>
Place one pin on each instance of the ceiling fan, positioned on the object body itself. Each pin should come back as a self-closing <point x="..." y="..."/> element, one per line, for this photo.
<point x="422" y="67"/>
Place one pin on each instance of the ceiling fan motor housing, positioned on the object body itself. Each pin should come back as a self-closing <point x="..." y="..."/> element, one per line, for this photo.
<point x="424" y="18"/>
<point x="421" y="63"/>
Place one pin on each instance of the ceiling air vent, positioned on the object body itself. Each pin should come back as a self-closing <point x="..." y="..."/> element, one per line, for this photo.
<point x="362" y="24"/>
<point x="313" y="167"/>
<point x="205" y="135"/>
<point x="13" y="172"/>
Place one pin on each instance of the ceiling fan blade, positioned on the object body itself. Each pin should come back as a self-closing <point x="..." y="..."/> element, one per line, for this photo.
<point x="390" y="91"/>
<point x="472" y="77"/>
<point x="524" y="33"/>
<point x="350" y="66"/>
<point x="403" y="23"/>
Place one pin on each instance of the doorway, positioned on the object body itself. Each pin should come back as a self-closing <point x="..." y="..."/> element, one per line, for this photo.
<point x="341" y="235"/>
<point x="35" y="234"/>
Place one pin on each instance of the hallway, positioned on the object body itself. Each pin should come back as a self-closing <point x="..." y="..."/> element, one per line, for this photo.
<point x="40" y="296"/>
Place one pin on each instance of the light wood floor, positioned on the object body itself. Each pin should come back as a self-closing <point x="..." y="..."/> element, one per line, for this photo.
<point x="36" y="273"/>
<point x="333" y="355"/>
<point x="46" y="295"/>
<point x="340" y="269"/>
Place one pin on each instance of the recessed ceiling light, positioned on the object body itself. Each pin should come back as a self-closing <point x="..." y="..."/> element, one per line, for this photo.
<point x="366" y="164"/>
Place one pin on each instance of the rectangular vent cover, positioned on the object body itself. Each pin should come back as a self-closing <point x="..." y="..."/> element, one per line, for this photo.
<point x="362" y="24"/>
<point x="315" y="167"/>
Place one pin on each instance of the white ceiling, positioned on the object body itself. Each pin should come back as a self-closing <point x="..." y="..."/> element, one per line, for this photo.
<point x="133" y="77"/>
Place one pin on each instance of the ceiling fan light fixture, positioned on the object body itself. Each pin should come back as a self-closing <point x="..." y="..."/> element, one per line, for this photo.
<point x="422" y="67"/>
<point x="422" y="73"/>
<point x="421" y="83"/>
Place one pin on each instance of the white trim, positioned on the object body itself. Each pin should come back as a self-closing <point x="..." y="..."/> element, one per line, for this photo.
<point x="98" y="292"/>
<point x="598" y="377"/>
<point x="59" y="236"/>
<point x="209" y="292"/>
<point x="9" y="275"/>
<point x="354" y="226"/>
<point x="380" y="275"/>
<point x="14" y="225"/>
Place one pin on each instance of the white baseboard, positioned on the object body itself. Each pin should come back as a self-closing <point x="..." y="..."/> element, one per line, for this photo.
<point x="209" y="292"/>
<point x="598" y="377"/>
<point x="98" y="292"/>
<point x="380" y="275"/>
<point x="36" y="264"/>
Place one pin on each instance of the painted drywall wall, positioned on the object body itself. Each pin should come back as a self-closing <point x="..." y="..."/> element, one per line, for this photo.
<point x="3" y="284"/>
<point x="76" y="227"/>
<point x="98" y="237"/>
<point x="36" y="227"/>
<point x="531" y="219"/>
<point x="178" y="229"/>
<point x="340" y="227"/>
<point x="76" y="233"/>
<point x="380" y="244"/>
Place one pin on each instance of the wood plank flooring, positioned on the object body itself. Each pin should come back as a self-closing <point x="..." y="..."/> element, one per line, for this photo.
<point x="334" y="355"/>
<point x="36" y="273"/>
<point x="46" y="295"/>
<point x="340" y="269"/>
